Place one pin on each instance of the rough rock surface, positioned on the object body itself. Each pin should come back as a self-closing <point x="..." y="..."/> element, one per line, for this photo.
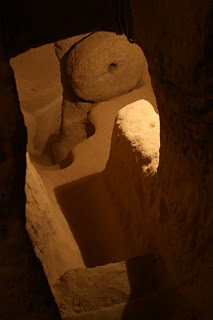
<point x="21" y="276"/>
<point x="109" y="291"/>
<point x="104" y="65"/>
<point x="84" y="290"/>
<point x="63" y="46"/>
<point x="51" y="237"/>
<point x="131" y="170"/>
<point x="178" y="50"/>
<point x="73" y="130"/>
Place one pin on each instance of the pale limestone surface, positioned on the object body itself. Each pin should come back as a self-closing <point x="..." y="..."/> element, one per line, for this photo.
<point x="48" y="230"/>
<point x="139" y="123"/>
<point x="114" y="290"/>
<point x="83" y="290"/>
<point x="131" y="170"/>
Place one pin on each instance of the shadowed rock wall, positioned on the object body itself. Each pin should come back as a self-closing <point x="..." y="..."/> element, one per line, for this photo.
<point x="176" y="39"/>
<point x="21" y="275"/>
<point x="29" y="24"/>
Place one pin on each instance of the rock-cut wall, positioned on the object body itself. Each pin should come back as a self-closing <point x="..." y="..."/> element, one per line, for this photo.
<point x="21" y="275"/>
<point x="177" y="39"/>
<point x="131" y="171"/>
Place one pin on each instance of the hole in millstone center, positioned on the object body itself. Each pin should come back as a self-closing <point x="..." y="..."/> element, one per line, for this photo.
<point x="112" y="67"/>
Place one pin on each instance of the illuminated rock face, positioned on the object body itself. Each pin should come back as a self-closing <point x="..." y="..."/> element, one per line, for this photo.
<point x="56" y="250"/>
<point x="104" y="65"/>
<point x="131" y="172"/>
